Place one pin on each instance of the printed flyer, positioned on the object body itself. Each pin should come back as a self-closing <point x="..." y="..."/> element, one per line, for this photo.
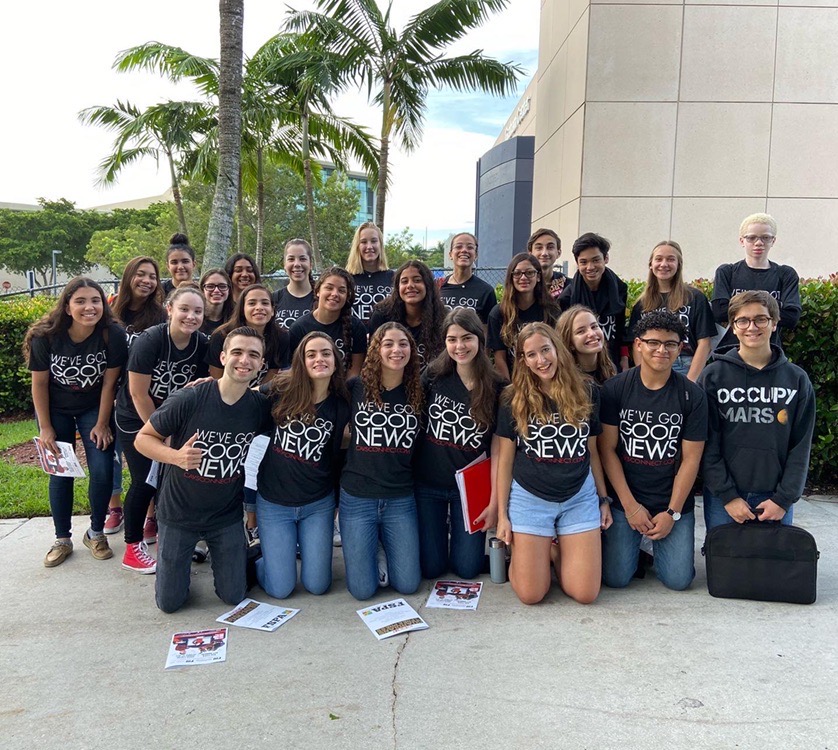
<point x="197" y="647"/>
<point x="257" y="616"/>
<point x="455" y="594"/>
<point x="65" y="464"/>
<point x="391" y="618"/>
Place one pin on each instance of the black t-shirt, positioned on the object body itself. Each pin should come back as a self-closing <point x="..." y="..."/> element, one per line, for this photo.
<point x="651" y="426"/>
<point x="335" y="331"/>
<point x="696" y="315"/>
<point x="209" y="326"/>
<point x="290" y="309"/>
<point x="76" y="371"/>
<point x="533" y="314"/>
<point x="155" y="354"/>
<point x="210" y="496"/>
<point x="475" y="294"/>
<point x="557" y="284"/>
<point x="451" y="437"/>
<point x="370" y="289"/>
<point x="552" y="460"/>
<point x="273" y="360"/>
<point x="382" y="439"/>
<point x="128" y="321"/>
<point x="300" y="464"/>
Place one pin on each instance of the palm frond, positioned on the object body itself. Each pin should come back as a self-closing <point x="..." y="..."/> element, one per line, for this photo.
<point x="171" y="62"/>
<point x="473" y="72"/>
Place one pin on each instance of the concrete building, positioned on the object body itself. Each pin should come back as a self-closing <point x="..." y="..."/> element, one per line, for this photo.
<point x="658" y="119"/>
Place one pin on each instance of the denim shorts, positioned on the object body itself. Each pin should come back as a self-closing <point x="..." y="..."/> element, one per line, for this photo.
<point x="529" y="514"/>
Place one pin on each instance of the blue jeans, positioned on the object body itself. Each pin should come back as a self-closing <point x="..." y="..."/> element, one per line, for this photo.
<point x="674" y="554"/>
<point x="281" y="528"/>
<point x="99" y="467"/>
<point x="682" y="364"/>
<point x="362" y="521"/>
<point x="716" y="515"/>
<point x="433" y="505"/>
<point x="228" y="556"/>
<point x="117" y="465"/>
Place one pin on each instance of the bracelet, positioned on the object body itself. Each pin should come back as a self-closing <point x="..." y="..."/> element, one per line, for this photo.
<point x="634" y="513"/>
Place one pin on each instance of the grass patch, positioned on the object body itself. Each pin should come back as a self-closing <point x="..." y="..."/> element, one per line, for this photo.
<point x="24" y="490"/>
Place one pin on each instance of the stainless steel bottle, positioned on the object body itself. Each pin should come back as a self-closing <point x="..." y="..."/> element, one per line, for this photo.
<point x="497" y="560"/>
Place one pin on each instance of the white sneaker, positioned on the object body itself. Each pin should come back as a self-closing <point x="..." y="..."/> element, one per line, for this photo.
<point x="381" y="557"/>
<point x="336" y="540"/>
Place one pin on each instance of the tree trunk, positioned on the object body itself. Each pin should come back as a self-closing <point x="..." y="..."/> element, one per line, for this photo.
<point x="309" y="181"/>
<point x="240" y="215"/>
<point x="176" y="196"/>
<point x="386" y="128"/>
<point x="220" y="229"/>
<point x="260" y="208"/>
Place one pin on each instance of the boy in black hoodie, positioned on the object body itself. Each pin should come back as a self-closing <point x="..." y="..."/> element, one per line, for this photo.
<point x="762" y="414"/>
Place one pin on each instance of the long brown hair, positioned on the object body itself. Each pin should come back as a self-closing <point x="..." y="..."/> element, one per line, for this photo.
<point x="58" y="321"/>
<point x="293" y="390"/>
<point x="509" y="304"/>
<point x="371" y="372"/>
<point x="345" y="317"/>
<point x="151" y="313"/>
<point x="354" y="264"/>
<point x="227" y="305"/>
<point x="568" y="390"/>
<point x="604" y="366"/>
<point x="272" y="334"/>
<point x="679" y="294"/>
<point x="486" y="378"/>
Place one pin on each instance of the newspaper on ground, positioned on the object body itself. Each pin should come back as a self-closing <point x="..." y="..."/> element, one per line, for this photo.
<point x="257" y="615"/>
<point x="255" y="454"/>
<point x="391" y="618"/>
<point x="455" y="594"/>
<point x="65" y="464"/>
<point x="197" y="647"/>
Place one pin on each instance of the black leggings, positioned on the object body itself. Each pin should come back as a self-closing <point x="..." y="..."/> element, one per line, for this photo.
<point x="139" y="494"/>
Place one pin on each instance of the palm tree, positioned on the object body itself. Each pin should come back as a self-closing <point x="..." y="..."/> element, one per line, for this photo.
<point x="400" y="68"/>
<point x="165" y="129"/>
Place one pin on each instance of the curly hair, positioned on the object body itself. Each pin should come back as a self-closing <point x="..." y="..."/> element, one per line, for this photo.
<point x="604" y="366"/>
<point x="509" y="304"/>
<point x="433" y="311"/>
<point x="660" y="320"/>
<point x="486" y="378"/>
<point x="569" y="389"/>
<point x="151" y="313"/>
<point x="58" y="320"/>
<point x="293" y="391"/>
<point x="679" y="294"/>
<point x="371" y="372"/>
<point x="345" y="312"/>
<point x="353" y="263"/>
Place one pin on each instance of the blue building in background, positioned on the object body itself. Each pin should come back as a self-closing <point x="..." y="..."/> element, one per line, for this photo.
<point x="366" y="192"/>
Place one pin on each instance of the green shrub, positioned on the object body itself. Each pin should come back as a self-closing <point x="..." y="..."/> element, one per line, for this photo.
<point x="16" y="315"/>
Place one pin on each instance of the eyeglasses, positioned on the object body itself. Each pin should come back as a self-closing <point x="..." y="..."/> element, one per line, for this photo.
<point x="767" y="239"/>
<point x="760" y="321"/>
<point x="527" y="274"/>
<point x="670" y="346"/>
<point x="213" y="287"/>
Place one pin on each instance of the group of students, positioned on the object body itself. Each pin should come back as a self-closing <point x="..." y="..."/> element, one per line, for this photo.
<point x="374" y="387"/>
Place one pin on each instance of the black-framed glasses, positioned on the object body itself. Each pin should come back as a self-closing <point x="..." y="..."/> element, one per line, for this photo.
<point x="531" y="274"/>
<point x="219" y="287"/>
<point x="655" y="344"/>
<point x="752" y="238"/>
<point x="760" y="321"/>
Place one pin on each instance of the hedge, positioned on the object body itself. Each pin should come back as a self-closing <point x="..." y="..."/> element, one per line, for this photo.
<point x="813" y="346"/>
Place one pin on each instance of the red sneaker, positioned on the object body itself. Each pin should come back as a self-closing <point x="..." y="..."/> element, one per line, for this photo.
<point x="136" y="558"/>
<point x="150" y="530"/>
<point x="114" y="521"/>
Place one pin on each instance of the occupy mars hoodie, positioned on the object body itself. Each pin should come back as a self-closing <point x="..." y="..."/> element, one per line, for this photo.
<point x="761" y="424"/>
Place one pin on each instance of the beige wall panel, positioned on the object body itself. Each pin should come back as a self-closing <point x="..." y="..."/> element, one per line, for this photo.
<point x="629" y="149"/>
<point x="547" y="177"/>
<point x="626" y="59"/>
<point x="722" y="149"/>
<point x="553" y="87"/>
<point x="795" y="244"/>
<point x="807" y="55"/>
<point x="728" y="53"/>
<point x="811" y="3"/>
<point x="569" y="230"/>
<point x="571" y="179"/>
<point x="560" y="23"/>
<point x="804" y="151"/>
<point x="732" y="2"/>
<point x="577" y="56"/>
<point x="637" y="2"/>
<point x="708" y="231"/>
<point x="546" y="44"/>
<point x="575" y="9"/>
<point x="633" y="225"/>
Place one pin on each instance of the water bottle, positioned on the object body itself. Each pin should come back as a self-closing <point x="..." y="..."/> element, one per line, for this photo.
<point x="497" y="560"/>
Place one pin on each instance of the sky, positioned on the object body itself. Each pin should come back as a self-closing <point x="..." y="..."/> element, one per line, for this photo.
<point x="57" y="58"/>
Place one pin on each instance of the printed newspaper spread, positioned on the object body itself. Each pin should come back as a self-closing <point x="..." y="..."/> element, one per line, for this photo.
<point x="197" y="647"/>
<point x="455" y="594"/>
<point x="391" y="618"/>
<point x="257" y="616"/>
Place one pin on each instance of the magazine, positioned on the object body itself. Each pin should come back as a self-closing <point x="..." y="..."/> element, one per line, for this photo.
<point x="197" y="647"/>
<point x="391" y="618"/>
<point x="455" y="594"/>
<point x="65" y="464"/>
<point x="257" y="616"/>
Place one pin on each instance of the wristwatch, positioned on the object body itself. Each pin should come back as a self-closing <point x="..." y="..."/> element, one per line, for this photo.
<point x="674" y="513"/>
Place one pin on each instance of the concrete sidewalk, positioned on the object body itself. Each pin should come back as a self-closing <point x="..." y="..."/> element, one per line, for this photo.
<point x="84" y="649"/>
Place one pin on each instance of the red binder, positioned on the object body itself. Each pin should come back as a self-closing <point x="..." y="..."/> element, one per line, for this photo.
<point x="475" y="484"/>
